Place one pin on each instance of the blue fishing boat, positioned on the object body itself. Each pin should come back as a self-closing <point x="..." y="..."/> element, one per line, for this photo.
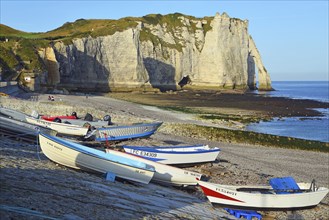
<point x="124" y="132"/>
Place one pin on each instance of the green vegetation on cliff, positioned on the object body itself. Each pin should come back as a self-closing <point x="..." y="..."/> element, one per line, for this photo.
<point x="20" y="55"/>
<point x="19" y="48"/>
<point x="172" y="23"/>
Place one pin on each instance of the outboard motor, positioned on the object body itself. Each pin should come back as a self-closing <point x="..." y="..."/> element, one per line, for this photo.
<point x="35" y="114"/>
<point x="74" y="114"/>
<point x="108" y="119"/>
<point x="58" y="120"/>
<point x="88" y="117"/>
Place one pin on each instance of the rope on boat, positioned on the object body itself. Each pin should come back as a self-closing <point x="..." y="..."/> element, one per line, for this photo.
<point x="37" y="145"/>
<point x="106" y="139"/>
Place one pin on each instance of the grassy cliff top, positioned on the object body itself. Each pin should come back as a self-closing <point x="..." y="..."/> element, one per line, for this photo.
<point x="98" y="27"/>
<point x="19" y="49"/>
<point x="8" y="31"/>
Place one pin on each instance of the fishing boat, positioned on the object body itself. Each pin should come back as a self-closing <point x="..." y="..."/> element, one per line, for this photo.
<point x="21" y="128"/>
<point x="61" y="128"/>
<point x="175" y="154"/>
<point x="90" y="122"/>
<point x="14" y="114"/>
<point x="18" y="126"/>
<point x="124" y="132"/>
<point x="264" y="197"/>
<point x="77" y="156"/>
<point x="165" y="174"/>
<point x="86" y="121"/>
<point x="53" y="118"/>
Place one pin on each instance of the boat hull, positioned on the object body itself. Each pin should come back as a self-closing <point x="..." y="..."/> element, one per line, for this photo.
<point x="18" y="126"/>
<point x="81" y="122"/>
<point x="80" y="157"/>
<point x="117" y="133"/>
<point x="62" y="117"/>
<point x="230" y="196"/>
<point x="176" y="154"/>
<point x="13" y="114"/>
<point x="22" y="128"/>
<point x="166" y="174"/>
<point x="61" y="128"/>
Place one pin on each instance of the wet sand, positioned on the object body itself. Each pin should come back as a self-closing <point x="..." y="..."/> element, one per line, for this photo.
<point x="228" y="103"/>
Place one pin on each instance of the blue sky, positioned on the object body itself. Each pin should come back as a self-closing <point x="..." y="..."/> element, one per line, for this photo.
<point x="292" y="36"/>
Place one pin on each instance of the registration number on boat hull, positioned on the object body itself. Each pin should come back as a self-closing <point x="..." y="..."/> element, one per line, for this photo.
<point x="145" y="153"/>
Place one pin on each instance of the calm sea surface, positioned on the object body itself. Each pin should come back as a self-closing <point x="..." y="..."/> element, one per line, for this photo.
<point x="311" y="128"/>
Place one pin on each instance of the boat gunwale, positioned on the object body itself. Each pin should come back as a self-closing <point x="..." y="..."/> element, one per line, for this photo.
<point x="56" y="123"/>
<point x="157" y="124"/>
<point x="155" y="149"/>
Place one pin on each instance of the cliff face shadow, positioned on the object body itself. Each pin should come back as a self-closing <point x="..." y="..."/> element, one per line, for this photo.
<point x="251" y="73"/>
<point x="161" y="75"/>
<point x="53" y="76"/>
<point x="81" y="72"/>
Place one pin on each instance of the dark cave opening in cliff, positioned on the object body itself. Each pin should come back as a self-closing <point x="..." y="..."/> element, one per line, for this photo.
<point x="184" y="81"/>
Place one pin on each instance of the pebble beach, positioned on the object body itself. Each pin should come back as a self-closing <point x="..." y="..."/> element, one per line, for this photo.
<point x="33" y="187"/>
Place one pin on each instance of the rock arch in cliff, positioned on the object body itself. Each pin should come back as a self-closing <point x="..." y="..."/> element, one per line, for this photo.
<point x="264" y="79"/>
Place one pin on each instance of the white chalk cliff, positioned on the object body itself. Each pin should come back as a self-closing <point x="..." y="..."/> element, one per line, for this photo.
<point x="216" y="53"/>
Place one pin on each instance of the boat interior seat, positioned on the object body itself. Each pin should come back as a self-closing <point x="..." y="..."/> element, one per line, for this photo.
<point x="284" y="185"/>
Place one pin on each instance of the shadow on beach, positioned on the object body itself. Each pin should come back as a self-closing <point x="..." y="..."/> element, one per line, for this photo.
<point x="54" y="191"/>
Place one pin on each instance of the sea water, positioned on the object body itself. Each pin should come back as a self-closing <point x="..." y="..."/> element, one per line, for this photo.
<point x="310" y="128"/>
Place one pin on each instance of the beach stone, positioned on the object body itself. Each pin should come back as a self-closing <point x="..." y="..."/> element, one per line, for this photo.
<point x="56" y="191"/>
<point x="71" y="217"/>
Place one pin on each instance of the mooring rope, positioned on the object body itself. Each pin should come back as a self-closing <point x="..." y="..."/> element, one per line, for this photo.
<point x="37" y="146"/>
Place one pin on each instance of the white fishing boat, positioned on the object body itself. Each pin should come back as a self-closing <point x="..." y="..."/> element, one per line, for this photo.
<point x="175" y="154"/>
<point x="164" y="173"/>
<point x="124" y="132"/>
<point x="22" y="128"/>
<point x="84" y="123"/>
<point x="87" y="121"/>
<point x="264" y="197"/>
<point x="77" y="156"/>
<point x="61" y="128"/>
<point x="14" y="114"/>
<point x="18" y="126"/>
